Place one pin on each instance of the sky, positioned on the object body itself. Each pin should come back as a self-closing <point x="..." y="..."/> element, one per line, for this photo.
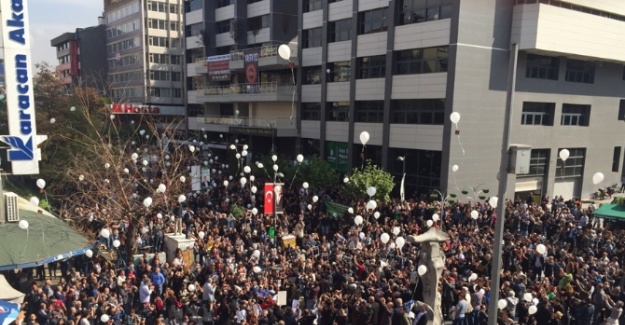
<point x="51" y="18"/>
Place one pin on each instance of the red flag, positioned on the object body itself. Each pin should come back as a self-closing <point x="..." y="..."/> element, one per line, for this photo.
<point x="269" y="198"/>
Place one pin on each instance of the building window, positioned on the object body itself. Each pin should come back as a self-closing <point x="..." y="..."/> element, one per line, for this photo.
<point x="176" y="59"/>
<point x="340" y="30"/>
<point x="176" y="76"/>
<point x="312" y="75"/>
<point x="339" y="71"/>
<point x="177" y="93"/>
<point x="159" y="75"/>
<point x="159" y="92"/>
<point x="541" y="67"/>
<point x="253" y="1"/>
<point x="371" y="111"/>
<point x="311" y="37"/>
<point x="580" y="71"/>
<point x="539" y="159"/>
<point x="621" y="110"/>
<point x="257" y="23"/>
<point x="311" y="111"/>
<point x="223" y="26"/>
<point x="616" y="159"/>
<point x="372" y="67"/>
<point x="573" y="166"/>
<point x="427" y="60"/>
<point x="575" y="115"/>
<point x="372" y="21"/>
<point x="418" y="111"/>
<point x="337" y="111"/>
<point x="312" y="5"/>
<point x="221" y="3"/>
<point x="537" y="113"/>
<point x="416" y="11"/>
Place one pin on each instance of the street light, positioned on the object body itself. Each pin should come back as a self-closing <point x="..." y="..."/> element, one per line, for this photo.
<point x="402" y="193"/>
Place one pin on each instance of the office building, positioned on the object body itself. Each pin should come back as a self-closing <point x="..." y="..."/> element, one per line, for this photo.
<point x="399" y="68"/>
<point x="82" y="58"/>
<point x="144" y="49"/>
<point x="238" y="87"/>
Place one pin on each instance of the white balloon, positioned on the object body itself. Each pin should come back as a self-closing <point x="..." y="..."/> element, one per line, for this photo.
<point x="429" y="223"/>
<point x="385" y="238"/>
<point x="252" y="178"/>
<point x="454" y="117"/>
<point x="528" y="297"/>
<point x="502" y="303"/>
<point x="256" y="269"/>
<point x="376" y="214"/>
<point x="247" y="169"/>
<point x="52" y="120"/>
<point x="104" y="318"/>
<point x="105" y="233"/>
<point x="254" y="211"/>
<point x="305" y="185"/>
<point x="564" y="154"/>
<point x="364" y="137"/>
<point x="396" y="231"/>
<point x="182" y="198"/>
<point x="345" y="180"/>
<point x="274" y="158"/>
<point x="126" y="171"/>
<point x="256" y="253"/>
<point x="159" y="215"/>
<point x="254" y="189"/>
<point x="81" y="178"/>
<point x="161" y="188"/>
<point x="541" y="249"/>
<point x="315" y="199"/>
<point x="183" y="179"/>
<point x="532" y="310"/>
<point x="226" y="183"/>
<point x="147" y="202"/>
<point x="275" y="168"/>
<point x="238" y="155"/>
<point x="358" y="220"/>
<point x="191" y="287"/>
<point x="107" y="165"/>
<point x="89" y="253"/>
<point x="400" y="242"/>
<point x="309" y="207"/>
<point x="493" y="201"/>
<point x="391" y="246"/>
<point x="134" y="156"/>
<point x="454" y="168"/>
<point x="41" y="183"/>
<point x="597" y="178"/>
<point x="371" y="205"/>
<point x="145" y="162"/>
<point x="371" y="191"/>
<point x="284" y="51"/>
<point x="116" y="243"/>
<point x="23" y="224"/>
<point x="243" y="181"/>
<point x="361" y="235"/>
<point x="300" y="158"/>
<point x="34" y="201"/>
<point x="474" y="214"/>
<point x="436" y="217"/>
<point x="422" y="269"/>
<point x="473" y="277"/>
<point x="260" y="165"/>
<point x="350" y="210"/>
<point x="73" y="108"/>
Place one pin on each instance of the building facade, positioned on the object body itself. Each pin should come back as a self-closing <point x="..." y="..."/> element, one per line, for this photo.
<point x="399" y="68"/>
<point x="145" y="57"/>
<point x="82" y="58"/>
<point x="238" y="87"/>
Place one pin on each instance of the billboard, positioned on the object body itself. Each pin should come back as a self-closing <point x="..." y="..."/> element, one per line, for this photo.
<point x="273" y="199"/>
<point x="24" y="154"/>
<point x="250" y="63"/>
<point x="219" y="67"/>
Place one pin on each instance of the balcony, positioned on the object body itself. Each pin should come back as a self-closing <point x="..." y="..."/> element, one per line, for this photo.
<point x="268" y="57"/>
<point x="281" y="127"/>
<point x="201" y="66"/>
<point x="260" y="92"/>
<point x="549" y="28"/>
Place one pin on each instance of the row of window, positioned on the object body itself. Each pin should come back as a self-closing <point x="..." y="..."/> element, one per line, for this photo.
<point x="125" y="76"/>
<point x="164" y="25"/>
<point x="123" y="61"/>
<point x="165" y="58"/>
<point x="165" y="92"/>
<point x="547" y="67"/>
<point x="127" y="27"/>
<point x="405" y="111"/>
<point x="122" y="12"/>
<point x="165" y="75"/>
<point x="164" y="42"/>
<point x="130" y="92"/>
<point x="65" y="59"/>
<point x="572" y="167"/>
<point x="537" y="113"/>
<point x="123" y="45"/>
<point x="163" y="7"/>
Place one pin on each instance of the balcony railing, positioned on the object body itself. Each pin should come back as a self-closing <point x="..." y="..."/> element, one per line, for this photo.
<point x="263" y="51"/>
<point x="258" y="88"/>
<point x="278" y="123"/>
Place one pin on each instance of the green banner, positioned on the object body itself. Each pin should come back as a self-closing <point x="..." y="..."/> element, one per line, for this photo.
<point x="339" y="209"/>
<point x="337" y="155"/>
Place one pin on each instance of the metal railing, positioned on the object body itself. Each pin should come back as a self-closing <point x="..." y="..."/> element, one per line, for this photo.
<point x="263" y="51"/>
<point x="244" y="88"/>
<point x="279" y="123"/>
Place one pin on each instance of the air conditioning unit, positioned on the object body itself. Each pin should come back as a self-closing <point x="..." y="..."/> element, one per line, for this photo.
<point x="11" y="207"/>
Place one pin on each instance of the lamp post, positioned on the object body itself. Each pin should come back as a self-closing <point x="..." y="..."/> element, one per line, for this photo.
<point x="402" y="193"/>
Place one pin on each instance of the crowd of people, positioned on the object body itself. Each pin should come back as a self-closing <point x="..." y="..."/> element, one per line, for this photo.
<point x="241" y="270"/>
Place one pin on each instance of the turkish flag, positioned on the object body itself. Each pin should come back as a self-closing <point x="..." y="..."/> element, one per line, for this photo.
<point x="269" y="198"/>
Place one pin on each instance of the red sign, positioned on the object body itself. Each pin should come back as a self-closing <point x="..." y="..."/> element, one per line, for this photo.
<point x="219" y="67"/>
<point x="134" y="109"/>
<point x="269" y="198"/>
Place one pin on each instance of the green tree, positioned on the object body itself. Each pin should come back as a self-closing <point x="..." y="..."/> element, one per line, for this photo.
<point x="317" y="172"/>
<point x="370" y="175"/>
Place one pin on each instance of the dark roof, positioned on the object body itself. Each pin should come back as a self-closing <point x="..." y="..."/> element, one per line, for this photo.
<point x="47" y="239"/>
<point x="65" y="37"/>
